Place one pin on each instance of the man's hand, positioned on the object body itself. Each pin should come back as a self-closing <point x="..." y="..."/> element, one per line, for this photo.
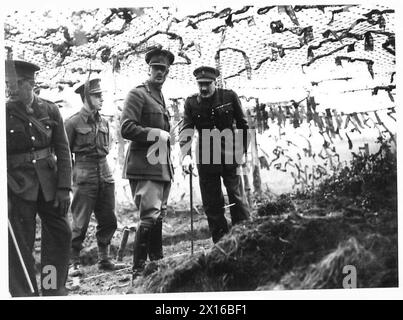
<point x="62" y="201"/>
<point x="187" y="164"/>
<point x="164" y="136"/>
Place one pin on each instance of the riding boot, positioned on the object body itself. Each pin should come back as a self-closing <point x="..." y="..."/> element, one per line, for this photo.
<point x="141" y="244"/>
<point x="155" y="249"/>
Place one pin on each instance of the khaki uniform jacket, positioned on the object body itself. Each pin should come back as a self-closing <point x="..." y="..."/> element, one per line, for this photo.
<point x="90" y="140"/>
<point x="49" y="173"/>
<point x="144" y="109"/>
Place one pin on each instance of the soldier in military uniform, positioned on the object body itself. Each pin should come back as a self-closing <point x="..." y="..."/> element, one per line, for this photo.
<point x="39" y="181"/>
<point x="214" y="110"/>
<point x="144" y="118"/>
<point x="93" y="184"/>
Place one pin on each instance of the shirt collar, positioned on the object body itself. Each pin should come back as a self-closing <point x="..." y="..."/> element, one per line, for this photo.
<point x="86" y="114"/>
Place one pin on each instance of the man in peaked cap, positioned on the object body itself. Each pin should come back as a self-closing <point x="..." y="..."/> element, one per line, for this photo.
<point x="213" y="112"/>
<point x="144" y="118"/>
<point x="39" y="182"/>
<point x="93" y="185"/>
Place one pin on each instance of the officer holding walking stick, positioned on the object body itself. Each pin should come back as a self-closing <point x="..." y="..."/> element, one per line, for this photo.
<point x="218" y="116"/>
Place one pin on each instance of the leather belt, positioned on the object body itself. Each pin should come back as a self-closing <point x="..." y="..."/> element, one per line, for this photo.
<point x="29" y="156"/>
<point x="83" y="158"/>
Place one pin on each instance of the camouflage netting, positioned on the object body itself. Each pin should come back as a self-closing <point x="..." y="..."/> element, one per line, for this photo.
<point x="252" y="46"/>
<point x="331" y="67"/>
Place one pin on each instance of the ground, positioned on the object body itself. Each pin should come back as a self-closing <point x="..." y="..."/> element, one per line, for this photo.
<point x="305" y="245"/>
<point x="315" y="239"/>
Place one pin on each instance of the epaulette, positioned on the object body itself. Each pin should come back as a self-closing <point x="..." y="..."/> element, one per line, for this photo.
<point x="73" y="115"/>
<point x="193" y="96"/>
<point x="41" y="100"/>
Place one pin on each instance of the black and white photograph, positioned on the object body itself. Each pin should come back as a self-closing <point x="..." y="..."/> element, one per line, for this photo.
<point x="180" y="148"/>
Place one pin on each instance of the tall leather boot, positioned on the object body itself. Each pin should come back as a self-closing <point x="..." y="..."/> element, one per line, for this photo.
<point x="105" y="262"/>
<point x="141" y="244"/>
<point x="155" y="249"/>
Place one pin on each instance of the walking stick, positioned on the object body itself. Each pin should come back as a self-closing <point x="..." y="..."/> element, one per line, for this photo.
<point x="191" y="207"/>
<point x="17" y="248"/>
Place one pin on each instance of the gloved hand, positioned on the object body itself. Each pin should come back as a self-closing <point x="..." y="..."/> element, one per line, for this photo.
<point x="187" y="164"/>
<point x="62" y="201"/>
<point x="164" y="136"/>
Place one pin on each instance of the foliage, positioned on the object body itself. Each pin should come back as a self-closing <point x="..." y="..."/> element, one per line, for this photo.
<point x="279" y="206"/>
<point x="371" y="179"/>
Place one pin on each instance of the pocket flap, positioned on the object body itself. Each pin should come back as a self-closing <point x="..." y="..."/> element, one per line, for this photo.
<point x="84" y="130"/>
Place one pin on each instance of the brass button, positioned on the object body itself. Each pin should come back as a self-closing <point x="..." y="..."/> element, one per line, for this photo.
<point x="30" y="124"/>
<point x="34" y="161"/>
<point x="33" y="138"/>
<point x="11" y="131"/>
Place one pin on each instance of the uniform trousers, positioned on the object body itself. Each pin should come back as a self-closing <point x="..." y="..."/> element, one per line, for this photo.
<point x="55" y="246"/>
<point x="213" y="198"/>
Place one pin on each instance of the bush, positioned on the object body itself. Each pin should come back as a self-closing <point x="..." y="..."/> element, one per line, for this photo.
<point x="279" y="206"/>
<point x="371" y="179"/>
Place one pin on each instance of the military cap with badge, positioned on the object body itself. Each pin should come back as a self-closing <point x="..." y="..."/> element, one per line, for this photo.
<point x="159" y="57"/>
<point x="206" y="74"/>
<point x="94" y="87"/>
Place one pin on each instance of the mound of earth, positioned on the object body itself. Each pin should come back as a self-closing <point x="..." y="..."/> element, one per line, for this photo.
<point x="291" y="251"/>
<point x="307" y="240"/>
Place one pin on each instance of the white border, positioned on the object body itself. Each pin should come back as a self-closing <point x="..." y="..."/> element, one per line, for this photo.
<point x="245" y="295"/>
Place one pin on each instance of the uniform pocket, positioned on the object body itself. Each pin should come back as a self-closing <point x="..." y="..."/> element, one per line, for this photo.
<point x="84" y="136"/>
<point x="16" y="137"/>
<point x="80" y="175"/>
<point x="225" y="115"/>
<point x="104" y="136"/>
<point x="48" y="124"/>
<point x="153" y="119"/>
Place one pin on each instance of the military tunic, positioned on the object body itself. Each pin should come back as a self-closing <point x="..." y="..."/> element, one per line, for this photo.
<point x="38" y="163"/>
<point x="145" y="110"/>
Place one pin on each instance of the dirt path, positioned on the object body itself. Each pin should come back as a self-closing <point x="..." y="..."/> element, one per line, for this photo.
<point x="176" y="244"/>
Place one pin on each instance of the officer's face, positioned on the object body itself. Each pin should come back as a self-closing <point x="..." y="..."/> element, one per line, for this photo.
<point x="97" y="100"/>
<point x="20" y="90"/>
<point x="158" y="74"/>
<point x="206" y="89"/>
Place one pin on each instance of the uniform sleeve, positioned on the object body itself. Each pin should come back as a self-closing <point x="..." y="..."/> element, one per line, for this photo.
<point x="130" y="122"/>
<point x="69" y="126"/>
<point x="60" y="144"/>
<point x="110" y="137"/>
<point x="187" y="130"/>
<point x="241" y="120"/>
